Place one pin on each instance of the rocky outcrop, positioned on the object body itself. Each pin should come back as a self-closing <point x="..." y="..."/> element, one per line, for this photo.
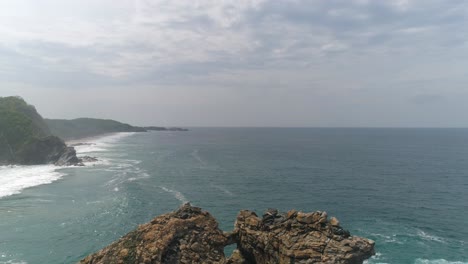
<point x="25" y="138"/>
<point x="48" y="150"/>
<point x="297" y="237"/>
<point x="188" y="235"/>
<point x="69" y="158"/>
<point x="191" y="235"/>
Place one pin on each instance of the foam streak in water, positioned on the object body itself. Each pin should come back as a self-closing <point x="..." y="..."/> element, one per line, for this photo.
<point x="223" y="189"/>
<point x="437" y="261"/>
<point x="197" y="157"/>
<point x="178" y="195"/>
<point x="429" y="237"/>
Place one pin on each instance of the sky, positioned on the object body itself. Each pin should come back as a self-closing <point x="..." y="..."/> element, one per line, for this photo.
<point x="299" y="63"/>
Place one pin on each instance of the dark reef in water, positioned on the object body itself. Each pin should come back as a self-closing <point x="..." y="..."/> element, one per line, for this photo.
<point x="191" y="235"/>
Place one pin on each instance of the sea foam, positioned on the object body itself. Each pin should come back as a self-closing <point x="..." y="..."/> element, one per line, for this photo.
<point x="16" y="178"/>
<point x="98" y="144"/>
<point x="178" y="195"/>
<point x="437" y="261"/>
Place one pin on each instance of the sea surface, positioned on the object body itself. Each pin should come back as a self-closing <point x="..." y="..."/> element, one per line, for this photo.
<point x="407" y="189"/>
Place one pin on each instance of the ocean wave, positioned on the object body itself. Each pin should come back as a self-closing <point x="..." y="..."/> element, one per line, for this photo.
<point x="178" y="195"/>
<point x="14" y="179"/>
<point x="386" y="238"/>
<point x="142" y="175"/>
<point x="17" y="178"/>
<point x="437" y="261"/>
<point x="429" y="237"/>
<point x="100" y="143"/>
<point x="13" y="262"/>
<point x="3" y="256"/>
<point x="375" y="259"/>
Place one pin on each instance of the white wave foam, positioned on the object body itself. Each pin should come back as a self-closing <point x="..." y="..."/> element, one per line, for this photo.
<point x="437" y="261"/>
<point x="142" y="175"/>
<point x="374" y="258"/>
<point x="14" y="179"/>
<point x="13" y="262"/>
<point x="4" y="256"/>
<point x="429" y="237"/>
<point x="178" y="195"/>
<point x="386" y="238"/>
<point x="99" y="144"/>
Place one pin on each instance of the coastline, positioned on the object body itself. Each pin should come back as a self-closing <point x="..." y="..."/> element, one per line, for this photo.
<point x="95" y="137"/>
<point x="17" y="178"/>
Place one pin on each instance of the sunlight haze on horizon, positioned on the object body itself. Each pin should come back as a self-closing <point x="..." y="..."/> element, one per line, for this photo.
<point x="300" y="63"/>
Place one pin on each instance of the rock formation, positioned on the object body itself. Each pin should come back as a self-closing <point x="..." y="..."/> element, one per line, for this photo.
<point x="297" y="237"/>
<point x="48" y="150"/>
<point x="25" y="138"/>
<point x="188" y="235"/>
<point x="191" y="235"/>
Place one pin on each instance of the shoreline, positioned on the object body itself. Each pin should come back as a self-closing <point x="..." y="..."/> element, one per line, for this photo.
<point x="94" y="138"/>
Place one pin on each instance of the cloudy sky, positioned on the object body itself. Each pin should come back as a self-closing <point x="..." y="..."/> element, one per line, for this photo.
<point x="240" y="62"/>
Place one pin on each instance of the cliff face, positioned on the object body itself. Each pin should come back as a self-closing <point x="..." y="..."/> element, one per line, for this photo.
<point x="26" y="139"/>
<point x="191" y="235"/>
<point x="88" y="127"/>
<point x="47" y="150"/>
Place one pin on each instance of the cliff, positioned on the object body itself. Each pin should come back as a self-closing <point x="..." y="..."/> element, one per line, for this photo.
<point x="88" y="127"/>
<point x="26" y="139"/>
<point x="191" y="235"/>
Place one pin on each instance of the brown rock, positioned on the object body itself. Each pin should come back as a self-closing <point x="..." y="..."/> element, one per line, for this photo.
<point x="305" y="218"/>
<point x="306" y="241"/>
<point x="191" y="235"/>
<point x="291" y="213"/>
<point x="170" y="238"/>
<point x="334" y="222"/>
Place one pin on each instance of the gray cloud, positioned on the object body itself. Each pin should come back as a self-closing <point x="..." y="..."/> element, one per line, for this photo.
<point x="327" y="63"/>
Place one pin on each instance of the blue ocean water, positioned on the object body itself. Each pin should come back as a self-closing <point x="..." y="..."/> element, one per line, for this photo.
<point x="407" y="189"/>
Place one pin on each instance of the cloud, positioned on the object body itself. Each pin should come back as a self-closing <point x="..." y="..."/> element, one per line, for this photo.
<point x="123" y="40"/>
<point x="289" y="49"/>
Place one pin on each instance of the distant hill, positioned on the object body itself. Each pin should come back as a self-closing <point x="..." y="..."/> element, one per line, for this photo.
<point x="87" y="127"/>
<point x="25" y="137"/>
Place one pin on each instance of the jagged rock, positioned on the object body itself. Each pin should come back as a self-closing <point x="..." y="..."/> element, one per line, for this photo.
<point x="48" y="150"/>
<point x="190" y="235"/>
<point x="68" y="158"/>
<point x="298" y="238"/>
<point x="334" y="221"/>
<point x="88" y="159"/>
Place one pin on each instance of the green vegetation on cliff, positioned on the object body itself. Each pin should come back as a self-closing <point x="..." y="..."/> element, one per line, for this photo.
<point x="87" y="127"/>
<point x="26" y="139"/>
<point x="20" y="125"/>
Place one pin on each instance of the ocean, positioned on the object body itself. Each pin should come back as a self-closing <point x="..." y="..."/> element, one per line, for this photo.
<point x="407" y="189"/>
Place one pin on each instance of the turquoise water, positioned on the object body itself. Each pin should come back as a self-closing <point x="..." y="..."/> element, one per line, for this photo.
<point x="407" y="189"/>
